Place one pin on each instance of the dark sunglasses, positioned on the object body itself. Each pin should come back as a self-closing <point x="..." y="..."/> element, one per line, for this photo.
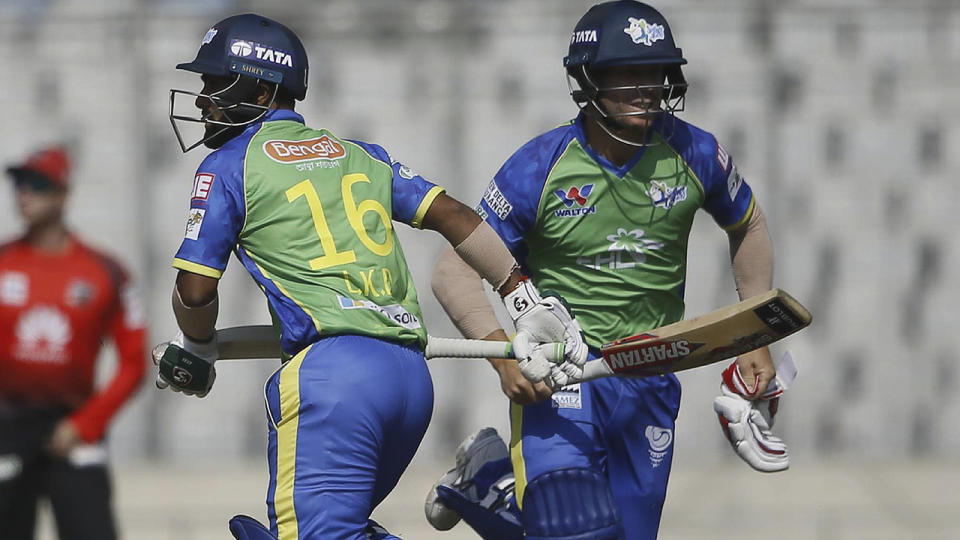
<point x="34" y="182"/>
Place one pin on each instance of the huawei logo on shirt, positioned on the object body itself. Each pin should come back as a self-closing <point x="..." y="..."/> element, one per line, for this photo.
<point x="43" y="333"/>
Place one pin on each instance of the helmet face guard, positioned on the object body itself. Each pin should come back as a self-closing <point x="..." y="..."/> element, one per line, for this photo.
<point x="624" y="33"/>
<point x="253" y="49"/>
<point x="586" y="93"/>
<point x="237" y="113"/>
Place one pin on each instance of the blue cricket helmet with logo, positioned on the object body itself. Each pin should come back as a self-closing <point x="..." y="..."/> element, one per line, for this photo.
<point x="255" y="46"/>
<point x="622" y="33"/>
<point x="251" y="50"/>
<point x="618" y="34"/>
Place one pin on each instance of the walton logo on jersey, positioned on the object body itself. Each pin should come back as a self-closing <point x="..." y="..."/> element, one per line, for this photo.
<point x="244" y="49"/>
<point x="296" y="151"/>
<point x="575" y="195"/>
<point x="665" y="196"/>
<point x="640" y="31"/>
<point x="584" y="36"/>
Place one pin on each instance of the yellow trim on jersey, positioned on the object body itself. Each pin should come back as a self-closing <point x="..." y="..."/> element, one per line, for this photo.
<point x="287" y="525"/>
<point x="417" y="221"/>
<point x="746" y="216"/>
<point x="516" y="451"/>
<point x="316" y="323"/>
<point x="195" y="268"/>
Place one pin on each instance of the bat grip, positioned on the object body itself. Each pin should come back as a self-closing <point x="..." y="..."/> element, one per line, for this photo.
<point x="438" y="347"/>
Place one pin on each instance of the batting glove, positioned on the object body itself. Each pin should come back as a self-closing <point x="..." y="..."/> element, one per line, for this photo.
<point x="540" y="320"/>
<point x="185" y="365"/>
<point x="747" y="423"/>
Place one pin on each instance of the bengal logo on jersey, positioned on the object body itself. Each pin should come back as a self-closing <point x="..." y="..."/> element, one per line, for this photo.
<point x="296" y="151"/>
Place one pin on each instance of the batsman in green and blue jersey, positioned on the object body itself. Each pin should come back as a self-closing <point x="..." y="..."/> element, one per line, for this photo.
<point x="600" y="210"/>
<point x="310" y="216"/>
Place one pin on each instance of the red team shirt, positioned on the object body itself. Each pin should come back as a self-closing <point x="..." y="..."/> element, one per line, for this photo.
<point x="55" y="311"/>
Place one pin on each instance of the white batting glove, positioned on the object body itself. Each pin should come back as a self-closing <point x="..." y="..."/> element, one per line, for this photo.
<point x="747" y="423"/>
<point x="540" y="320"/>
<point x="185" y="365"/>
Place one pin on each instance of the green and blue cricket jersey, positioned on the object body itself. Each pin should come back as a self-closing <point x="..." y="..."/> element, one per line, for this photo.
<point x="310" y="217"/>
<point x="613" y="240"/>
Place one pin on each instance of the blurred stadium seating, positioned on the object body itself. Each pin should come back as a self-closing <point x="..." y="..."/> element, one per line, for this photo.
<point x="842" y="115"/>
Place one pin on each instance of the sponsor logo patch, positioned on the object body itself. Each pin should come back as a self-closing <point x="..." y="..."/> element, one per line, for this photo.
<point x="584" y="36"/>
<point x="14" y="288"/>
<point x="201" y="186"/>
<point x="627" y="249"/>
<point x="78" y="293"/>
<point x="194" y="222"/>
<point x="575" y="201"/>
<point x="247" y="49"/>
<point x="405" y="172"/>
<point x="642" y="32"/>
<point x="496" y="201"/>
<point x="723" y="158"/>
<point x="394" y="312"/>
<point x="734" y="181"/>
<point x="666" y="196"/>
<point x="208" y="37"/>
<point x="42" y="334"/>
<point x="660" y="440"/>
<point x="567" y="397"/>
<point x="321" y="148"/>
<point x="481" y="212"/>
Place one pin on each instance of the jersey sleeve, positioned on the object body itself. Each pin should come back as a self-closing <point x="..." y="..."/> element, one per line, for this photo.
<point x="127" y="327"/>
<point x="217" y="211"/>
<point x="412" y="194"/>
<point x="512" y="199"/>
<point x="728" y="197"/>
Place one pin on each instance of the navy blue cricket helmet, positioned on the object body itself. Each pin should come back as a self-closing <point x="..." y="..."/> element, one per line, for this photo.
<point x="251" y="49"/>
<point x="255" y="46"/>
<point x="623" y="33"/>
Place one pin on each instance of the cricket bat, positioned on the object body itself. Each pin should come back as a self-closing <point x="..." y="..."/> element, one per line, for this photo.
<point x="721" y="334"/>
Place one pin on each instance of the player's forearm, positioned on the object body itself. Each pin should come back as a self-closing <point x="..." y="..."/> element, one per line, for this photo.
<point x="196" y="305"/>
<point x="474" y="241"/>
<point x="751" y="252"/>
<point x="459" y="290"/>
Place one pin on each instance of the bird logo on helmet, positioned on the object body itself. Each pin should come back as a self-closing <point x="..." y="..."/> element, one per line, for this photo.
<point x="623" y="33"/>
<point x="251" y="49"/>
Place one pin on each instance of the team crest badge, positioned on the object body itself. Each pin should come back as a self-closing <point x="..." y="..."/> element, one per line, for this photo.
<point x="642" y="32"/>
<point x="665" y="196"/>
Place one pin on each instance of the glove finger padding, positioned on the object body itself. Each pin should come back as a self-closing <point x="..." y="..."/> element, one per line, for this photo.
<point x="533" y="363"/>
<point x="749" y="433"/>
<point x="747" y="423"/>
<point x="575" y="348"/>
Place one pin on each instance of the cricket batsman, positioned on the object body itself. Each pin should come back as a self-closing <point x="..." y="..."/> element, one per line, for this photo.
<point x="600" y="209"/>
<point x="310" y="217"/>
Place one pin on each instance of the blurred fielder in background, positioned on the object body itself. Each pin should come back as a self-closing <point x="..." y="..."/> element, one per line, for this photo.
<point x="600" y="210"/>
<point x="59" y="299"/>
<point x="309" y="215"/>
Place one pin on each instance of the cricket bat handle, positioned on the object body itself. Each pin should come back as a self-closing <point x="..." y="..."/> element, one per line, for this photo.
<point x="438" y="347"/>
